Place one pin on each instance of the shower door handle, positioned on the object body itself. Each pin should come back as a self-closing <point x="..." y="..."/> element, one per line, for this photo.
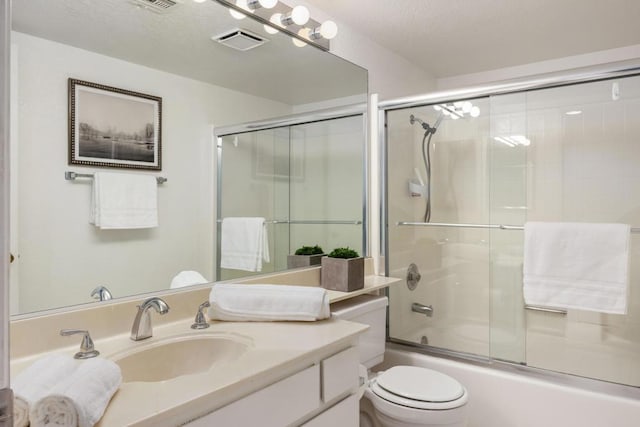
<point x="427" y="310"/>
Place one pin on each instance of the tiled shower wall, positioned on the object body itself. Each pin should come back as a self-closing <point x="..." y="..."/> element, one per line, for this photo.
<point x="576" y="168"/>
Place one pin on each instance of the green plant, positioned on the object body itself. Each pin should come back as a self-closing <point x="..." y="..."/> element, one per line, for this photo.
<point x="309" y="250"/>
<point x="343" y="253"/>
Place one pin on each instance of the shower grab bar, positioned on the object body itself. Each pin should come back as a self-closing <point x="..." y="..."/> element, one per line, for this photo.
<point x="71" y="176"/>
<point x="546" y="310"/>
<point x="330" y="222"/>
<point x="494" y="226"/>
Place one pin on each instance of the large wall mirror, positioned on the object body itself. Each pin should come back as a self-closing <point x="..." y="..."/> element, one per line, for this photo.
<point x="59" y="257"/>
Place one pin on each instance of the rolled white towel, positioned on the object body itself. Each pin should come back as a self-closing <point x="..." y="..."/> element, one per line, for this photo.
<point x="243" y="303"/>
<point x="35" y="382"/>
<point x="81" y="398"/>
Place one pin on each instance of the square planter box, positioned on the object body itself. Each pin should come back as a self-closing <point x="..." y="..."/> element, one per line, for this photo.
<point x="343" y="275"/>
<point x="296" y="261"/>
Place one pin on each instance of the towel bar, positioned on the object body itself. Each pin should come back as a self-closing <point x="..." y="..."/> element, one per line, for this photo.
<point x="70" y="176"/>
<point x="546" y="310"/>
<point x="327" y="222"/>
<point x="494" y="226"/>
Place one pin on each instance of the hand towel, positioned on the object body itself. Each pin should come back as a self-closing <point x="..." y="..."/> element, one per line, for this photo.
<point x="187" y="278"/>
<point x="124" y="201"/>
<point x="81" y="398"/>
<point x="244" y="244"/>
<point x="36" y="380"/>
<point x="577" y="266"/>
<point x="243" y="303"/>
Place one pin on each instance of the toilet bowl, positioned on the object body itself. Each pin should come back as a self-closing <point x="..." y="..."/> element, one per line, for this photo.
<point x="402" y="396"/>
<point x="409" y="396"/>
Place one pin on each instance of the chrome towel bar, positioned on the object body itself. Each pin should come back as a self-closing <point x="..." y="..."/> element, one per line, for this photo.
<point x="494" y="226"/>
<point x="545" y="309"/>
<point x="329" y="222"/>
<point x="70" y="176"/>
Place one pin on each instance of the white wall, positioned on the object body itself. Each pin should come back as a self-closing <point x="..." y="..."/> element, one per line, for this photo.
<point x="628" y="53"/>
<point x="390" y="75"/>
<point x="58" y="247"/>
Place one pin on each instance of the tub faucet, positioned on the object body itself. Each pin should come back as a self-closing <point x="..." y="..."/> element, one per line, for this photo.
<point x="141" y="328"/>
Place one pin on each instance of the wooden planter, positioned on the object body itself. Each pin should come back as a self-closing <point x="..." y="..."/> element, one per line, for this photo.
<point x="345" y="275"/>
<point x="296" y="261"/>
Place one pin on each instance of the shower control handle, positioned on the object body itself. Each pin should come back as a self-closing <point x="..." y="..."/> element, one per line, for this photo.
<point x="427" y="310"/>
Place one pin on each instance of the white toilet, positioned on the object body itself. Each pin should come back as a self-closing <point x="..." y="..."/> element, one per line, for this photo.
<point x="402" y="396"/>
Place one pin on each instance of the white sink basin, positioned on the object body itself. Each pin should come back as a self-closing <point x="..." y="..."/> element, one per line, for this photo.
<point x="168" y="358"/>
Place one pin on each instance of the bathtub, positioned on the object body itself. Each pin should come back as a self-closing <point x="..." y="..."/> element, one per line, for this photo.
<point x="510" y="399"/>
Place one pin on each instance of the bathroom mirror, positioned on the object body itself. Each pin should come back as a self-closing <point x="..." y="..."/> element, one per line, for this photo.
<point x="171" y="53"/>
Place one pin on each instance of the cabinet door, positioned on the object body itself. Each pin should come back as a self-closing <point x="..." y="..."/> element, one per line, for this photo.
<point x="277" y="405"/>
<point x="346" y="413"/>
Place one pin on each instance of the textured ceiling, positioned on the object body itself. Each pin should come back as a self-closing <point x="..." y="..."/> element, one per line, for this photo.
<point x="453" y="37"/>
<point x="180" y="42"/>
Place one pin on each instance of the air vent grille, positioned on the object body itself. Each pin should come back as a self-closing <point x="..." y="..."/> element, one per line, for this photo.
<point x="158" y="6"/>
<point x="240" y="39"/>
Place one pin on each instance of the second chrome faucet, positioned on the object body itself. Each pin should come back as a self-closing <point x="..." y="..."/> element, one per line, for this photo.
<point x="141" y="328"/>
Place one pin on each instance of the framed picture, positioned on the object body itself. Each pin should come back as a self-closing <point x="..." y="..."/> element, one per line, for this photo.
<point x="113" y="127"/>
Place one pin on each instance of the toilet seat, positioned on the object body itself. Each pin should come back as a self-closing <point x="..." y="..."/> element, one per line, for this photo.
<point x="419" y="388"/>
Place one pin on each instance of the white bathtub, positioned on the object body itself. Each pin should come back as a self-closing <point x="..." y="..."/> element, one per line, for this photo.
<point x="505" y="399"/>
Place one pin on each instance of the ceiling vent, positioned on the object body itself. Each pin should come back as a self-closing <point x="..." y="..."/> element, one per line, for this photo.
<point x="240" y="39"/>
<point x="157" y="6"/>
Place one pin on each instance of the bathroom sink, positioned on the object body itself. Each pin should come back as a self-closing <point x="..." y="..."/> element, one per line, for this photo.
<point x="169" y="358"/>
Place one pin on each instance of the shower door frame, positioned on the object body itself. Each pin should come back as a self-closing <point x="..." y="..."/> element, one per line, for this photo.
<point x="288" y="121"/>
<point x="546" y="81"/>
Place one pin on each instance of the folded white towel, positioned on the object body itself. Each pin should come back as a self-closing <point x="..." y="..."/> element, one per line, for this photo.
<point x="242" y="303"/>
<point x="244" y="244"/>
<point x="576" y="265"/>
<point x="123" y="201"/>
<point x="187" y="278"/>
<point x="81" y="398"/>
<point x="36" y="380"/>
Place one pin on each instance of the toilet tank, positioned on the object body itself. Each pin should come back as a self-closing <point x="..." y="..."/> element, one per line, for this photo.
<point x="370" y="310"/>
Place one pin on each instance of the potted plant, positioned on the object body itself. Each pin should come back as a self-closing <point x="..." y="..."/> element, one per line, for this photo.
<point x="305" y="256"/>
<point x="342" y="270"/>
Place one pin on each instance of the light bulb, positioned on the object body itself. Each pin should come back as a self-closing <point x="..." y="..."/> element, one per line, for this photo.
<point x="275" y="20"/>
<point x="437" y="107"/>
<point x="457" y="104"/>
<point x="300" y="15"/>
<point x="328" y="30"/>
<point x="268" y="4"/>
<point x="238" y="15"/>
<point x="475" y="111"/>
<point x="304" y="32"/>
<point x="466" y="107"/>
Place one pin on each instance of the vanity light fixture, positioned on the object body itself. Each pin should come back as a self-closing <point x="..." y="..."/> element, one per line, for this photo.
<point x="328" y="30"/>
<point x="277" y="16"/>
<point x="242" y="4"/>
<point x="299" y="15"/>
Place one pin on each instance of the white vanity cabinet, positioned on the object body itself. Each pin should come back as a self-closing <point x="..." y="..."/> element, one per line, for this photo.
<point x="324" y="394"/>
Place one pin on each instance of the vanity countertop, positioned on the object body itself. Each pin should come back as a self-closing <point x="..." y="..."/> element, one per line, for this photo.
<point x="276" y="350"/>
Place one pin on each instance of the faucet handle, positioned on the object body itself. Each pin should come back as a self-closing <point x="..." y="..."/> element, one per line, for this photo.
<point x="87" y="350"/>
<point x="200" y="321"/>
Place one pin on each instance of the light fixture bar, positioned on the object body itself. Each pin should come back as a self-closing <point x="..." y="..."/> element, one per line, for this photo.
<point x="288" y="26"/>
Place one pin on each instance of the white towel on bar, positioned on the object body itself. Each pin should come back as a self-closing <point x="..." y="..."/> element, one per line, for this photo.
<point x="81" y="398"/>
<point x="187" y="278"/>
<point x="35" y="382"/>
<point x="236" y="302"/>
<point x="244" y="244"/>
<point x="124" y="201"/>
<point x="576" y="266"/>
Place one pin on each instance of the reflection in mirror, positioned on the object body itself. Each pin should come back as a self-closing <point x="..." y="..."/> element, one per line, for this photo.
<point x="305" y="180"/>
<point x="60" y="257"/>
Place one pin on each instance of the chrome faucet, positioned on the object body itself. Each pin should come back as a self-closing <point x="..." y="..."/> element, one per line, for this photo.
<point x="101" y="293"/>
<point x="141" y="328"/>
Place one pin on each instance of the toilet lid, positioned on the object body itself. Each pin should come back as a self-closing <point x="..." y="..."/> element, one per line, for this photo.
<point x="421" y="384"/>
